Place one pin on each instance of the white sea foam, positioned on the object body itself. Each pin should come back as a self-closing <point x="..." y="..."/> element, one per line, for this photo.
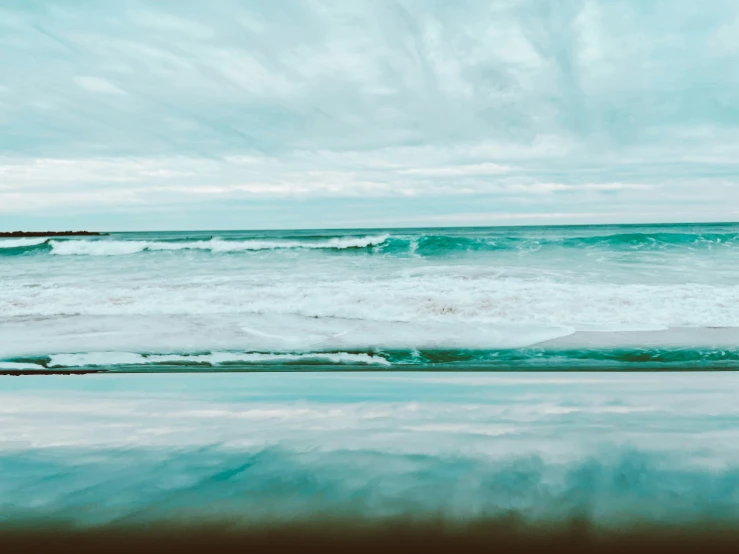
<point x="92" y="297"/>
<point x="18" y="366"/>
<point x="96" y="247"/>
<point x="215" y="358"/>
<point x="124" y="247"/>
<point x="444" y="298"/>
<point x="21" y="243"/>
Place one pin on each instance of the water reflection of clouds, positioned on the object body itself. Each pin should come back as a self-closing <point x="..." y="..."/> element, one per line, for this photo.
<point x="397" y="412"/>
<point x="351" y="438"/>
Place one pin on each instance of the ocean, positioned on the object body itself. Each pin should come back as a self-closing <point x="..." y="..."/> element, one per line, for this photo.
<point x="567" y="298"/>
<point x="423" y="389"/>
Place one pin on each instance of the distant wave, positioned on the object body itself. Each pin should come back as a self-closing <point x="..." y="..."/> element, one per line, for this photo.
<point x="425" y="245"/>
<point x="439" y="245"/>
<point x="123" y="247"/>
<point x="654" y="240"/>
<point x="15" y="366"/>
<point x="21" y="246"/>
<point x="401" y="297"/>
<point x="460" y="359"/>
<point x="21" y="243"/>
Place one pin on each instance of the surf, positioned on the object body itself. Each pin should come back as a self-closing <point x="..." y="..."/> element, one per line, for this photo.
<point x="397" y="243"/>
<point x="214" y="245"/>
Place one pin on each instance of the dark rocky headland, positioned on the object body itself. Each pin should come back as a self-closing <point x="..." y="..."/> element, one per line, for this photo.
<point x="26" y="234"/>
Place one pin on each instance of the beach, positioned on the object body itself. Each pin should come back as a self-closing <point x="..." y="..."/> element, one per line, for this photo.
<point x="371" y="458"/>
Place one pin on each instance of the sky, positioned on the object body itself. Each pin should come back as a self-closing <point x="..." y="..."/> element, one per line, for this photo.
<point x="242" y="114"/>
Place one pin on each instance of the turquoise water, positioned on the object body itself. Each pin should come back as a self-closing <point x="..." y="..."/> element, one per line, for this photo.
<point x="437" y="407"/>
<point x="656" y="297"/>
<point x="614" y="449"/>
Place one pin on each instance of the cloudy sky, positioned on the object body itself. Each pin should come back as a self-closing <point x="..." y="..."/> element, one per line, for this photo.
<point x="184" y="114"/>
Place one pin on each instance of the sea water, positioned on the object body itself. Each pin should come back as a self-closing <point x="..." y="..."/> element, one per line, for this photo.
<point x="234" y="438"/>
<point x="508" y="298"/>
<point x="618" y="450"/>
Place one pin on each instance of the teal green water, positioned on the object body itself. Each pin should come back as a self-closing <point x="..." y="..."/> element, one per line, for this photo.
<point x="529" y="298"/>
<point x="523" y="359"/>
<point x="612" y="449"/>
<point x="421" y="242"/>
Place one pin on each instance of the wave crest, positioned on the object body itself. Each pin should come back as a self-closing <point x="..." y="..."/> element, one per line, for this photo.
<point x="110" y="359"/>
<point x="124" y="247"/>
<point x="13" y="247"/>
<point x="398" y="244"/>
<point x="441" y="244"/>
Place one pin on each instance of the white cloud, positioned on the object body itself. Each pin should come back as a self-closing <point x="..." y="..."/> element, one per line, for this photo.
<point x="97" y="84"/>
<point x="509" y="102"/>
<point x="456" y="171"/>
<point x="546" y="188"/>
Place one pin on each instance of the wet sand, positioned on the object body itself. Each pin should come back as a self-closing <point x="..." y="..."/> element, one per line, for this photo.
<point x="389" y="536"/>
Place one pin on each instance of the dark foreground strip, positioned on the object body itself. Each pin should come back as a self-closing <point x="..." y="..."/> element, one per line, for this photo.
<point x="351" y="538"/>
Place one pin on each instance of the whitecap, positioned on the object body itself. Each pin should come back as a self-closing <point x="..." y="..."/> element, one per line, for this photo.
<point x="21" y="243"/>
<point x="83" y="359"/>
<point x="127" y="247"/>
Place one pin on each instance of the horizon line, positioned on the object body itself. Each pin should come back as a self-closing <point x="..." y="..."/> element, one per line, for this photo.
<point x="419" y="227"/>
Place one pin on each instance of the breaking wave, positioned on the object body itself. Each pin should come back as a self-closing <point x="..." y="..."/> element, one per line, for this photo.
<point x="423" y="245"/>
<point x="198" y="361"/>
<point x="364" y="291"/>
<point x="123" y="247"/>
<point x="440" y="244"/>
<point x="21" y="243"/>
<point x="460" y="359"/>
<point x="10" y="247"/>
